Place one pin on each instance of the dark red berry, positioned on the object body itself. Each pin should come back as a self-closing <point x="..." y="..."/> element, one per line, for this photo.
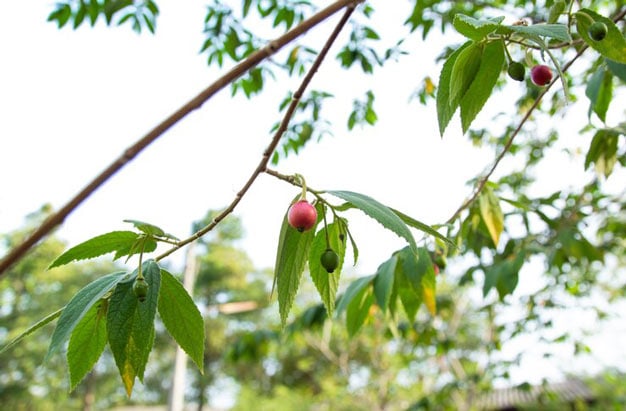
<point x="329" y="260"/>
<point x="541" y="75"/>
<point x="302" y="215"/>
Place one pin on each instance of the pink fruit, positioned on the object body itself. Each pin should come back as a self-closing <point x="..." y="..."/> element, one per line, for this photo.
<point x="541" y="75"/>
<point x="302" y="215"/>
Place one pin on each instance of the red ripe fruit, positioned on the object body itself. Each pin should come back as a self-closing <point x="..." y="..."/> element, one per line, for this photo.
<point x="302" y="215"/>
<point x="541" y="75"/>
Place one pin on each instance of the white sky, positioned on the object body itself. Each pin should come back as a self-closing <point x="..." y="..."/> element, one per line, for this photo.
<point x="71" y="102"/>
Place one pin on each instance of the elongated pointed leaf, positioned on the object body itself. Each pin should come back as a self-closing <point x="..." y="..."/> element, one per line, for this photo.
<point x="325" y="282"/>
<point x="353" y="289"/>
<point x="410" y="292"/>
<point x="182" y="318"/>
<point x="410" y="221"/>
<point x="130" y="325"/>
<point x="97" y="246"/>
<point x="464" y="71"/>
<point x="599" y="91"/>
<point x="378" y="212"/>
<point x="475" y="29"/>
<point x="446" y="106"/>
<point x="429" y="281"/>
<point x="383" y="282"/>
<point x="491" y="214"/>
<point x="358" y="310"/>
<point x="79" y="306"/>
<point x="44" y="321"/>
<point x="87" y="343"/>
<point x="484" y="80"/>
<point x="555" y="31"/>
<point x="150" y="229"/>
<point x="291" y="258"/>
<point x="612" y="46"/>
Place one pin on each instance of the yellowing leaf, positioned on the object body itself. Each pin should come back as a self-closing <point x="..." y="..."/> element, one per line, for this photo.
<point x="491" y="214"/>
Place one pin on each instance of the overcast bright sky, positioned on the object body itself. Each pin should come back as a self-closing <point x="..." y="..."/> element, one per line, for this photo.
<point x="71" y="102"/>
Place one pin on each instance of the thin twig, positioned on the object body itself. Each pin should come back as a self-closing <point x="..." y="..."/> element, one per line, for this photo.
<point x="262" y="166"/>
<point x="130" y="153"/>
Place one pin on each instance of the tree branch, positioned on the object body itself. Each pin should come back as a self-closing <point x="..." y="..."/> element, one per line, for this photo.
<point x="130" y="153"/>
<point x="262" y="166"/>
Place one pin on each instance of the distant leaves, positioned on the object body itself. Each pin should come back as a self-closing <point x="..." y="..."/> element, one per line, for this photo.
<point x="363" y="111"/>
<point x="603" y="151"/>
<point x="491" y="213"/>
<point x="139" y="14"/>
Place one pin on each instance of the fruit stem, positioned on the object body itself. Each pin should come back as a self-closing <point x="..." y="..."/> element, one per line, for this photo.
<point x="300" y="179"/>
<point x="139" y="272"/>
<point x="325" y="225"/>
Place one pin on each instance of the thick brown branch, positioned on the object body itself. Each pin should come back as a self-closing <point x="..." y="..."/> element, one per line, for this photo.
<point x="251" y="61"/>
<point x="262" y="166"/>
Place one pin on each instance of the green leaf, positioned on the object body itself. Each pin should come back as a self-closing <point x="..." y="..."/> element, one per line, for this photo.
<point x="425" y="270"/>
<point x="446" y="106"/>
<point x="378" y="212"/>
<point x="182" y="318"/>
<point x="475" y="29"/>
<point x="491" y="213"/>
<point x="555" y="31"/>
<point x="41" y="323"/>
<point x="599" y="91"/>
<point x="484" y="81"/>
<point x="410" y="221"/>
<point x="151" y="229"/>
<point x="87" y="343"/>
<point x="353" y="289"/>
<point x="383" y="282"/>
<point x="358" y="310"/>
<point x="613" y="46"/>
<point x="78" y="306"/>
<point x="327" y="283"/>
<point x="618" y="69"/>
<point x="464" y="71"/>
<point x="115" y="241"/>
<point x="409" y="288"/>
<point x="603" y="151"/>
<point x="130" y="325"/>
<point x="291" y="258"/>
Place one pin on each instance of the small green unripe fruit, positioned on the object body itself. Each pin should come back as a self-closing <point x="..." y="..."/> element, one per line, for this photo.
<point x="140" y="288"/>
<point x="516" y="71"/>
<point x="302" y="215"/>
<point x="329" y="260"/>
<point x="597" y="31"/>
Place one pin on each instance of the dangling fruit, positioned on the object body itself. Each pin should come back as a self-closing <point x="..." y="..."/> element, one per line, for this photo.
<point x="329" y="260"/>
<point x="302" y="215"/>
<point x="140" y="288"/>
<point x="541" y="75"/>
<point x="597" y="31"/>
<point x="516" y="71"/>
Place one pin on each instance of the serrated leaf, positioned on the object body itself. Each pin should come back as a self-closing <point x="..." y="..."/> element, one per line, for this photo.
<point x="353" y="289"/>
<point x="97" y="246"/>
<point x="87" y="343"/>
<point x="613" y="46"/>
<point x="182" y="318"/>
<point x="78" y="306"/>
<point x="491" y="214"/>
<point x="464" y="71"/>
<point x="358" y="309"/>
<point x="379" y="212"/>
<point x="151" y="229"/>
<point x="555" y="31"/>
<point x="41" y="323"/>
<point x="475" y="29"/>
<point x="599" y="91"/>
<point x="130" y="325"/>
<point x="327" y="283"/>
<point x="383" y="282"/>
<point x="484" y="81"/>
<point x="410" y="221"/>
<point x="446" y="106"/>
<point x="428" y="280"/>
<point x="291" y="258"/>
